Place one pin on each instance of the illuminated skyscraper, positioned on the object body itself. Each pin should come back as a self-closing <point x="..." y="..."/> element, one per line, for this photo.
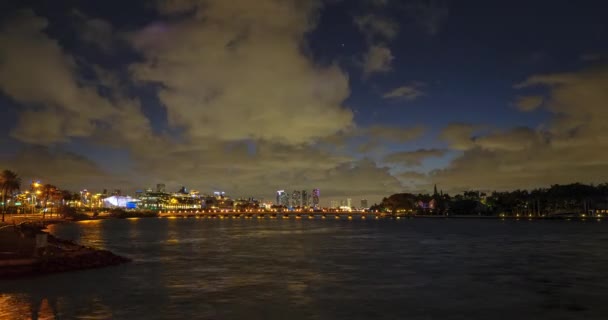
<point x="316" y="194"/>
<point x="296" y="199"/>
<point x="279" y="195"/>
<point x="305" y="200"/>
<point x="349" y="202"/>
<point x="284" y="199"/>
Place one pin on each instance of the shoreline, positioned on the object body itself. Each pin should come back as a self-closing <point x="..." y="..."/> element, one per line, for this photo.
<point x="57" y="256"/>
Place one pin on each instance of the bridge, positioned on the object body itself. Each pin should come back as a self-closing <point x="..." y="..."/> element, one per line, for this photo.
<point x="261" y="214"/>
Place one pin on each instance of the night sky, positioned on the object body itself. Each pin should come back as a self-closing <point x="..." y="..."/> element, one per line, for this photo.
<point x="359" y="98"/>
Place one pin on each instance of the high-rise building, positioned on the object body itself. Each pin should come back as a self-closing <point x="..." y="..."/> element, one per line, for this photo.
<point x="285" y="199"/>
<point x="160" y="188"/>
<point x="296" y="199"/>
<point x="316" y="195"/>
<point x="305" y="199"/>
<point x="333" y="204"/>
<point x="279" y="195"/>
<point x="364" y="204"/>
<point x="349" y="202"/>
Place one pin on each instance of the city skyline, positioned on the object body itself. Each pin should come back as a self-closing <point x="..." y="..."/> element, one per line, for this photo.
<point x="359" y="99"/>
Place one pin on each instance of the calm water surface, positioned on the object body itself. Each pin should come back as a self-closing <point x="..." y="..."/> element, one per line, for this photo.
<point x="327" y="269"/>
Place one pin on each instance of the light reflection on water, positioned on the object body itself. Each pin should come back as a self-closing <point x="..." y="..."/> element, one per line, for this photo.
<point x="326" y="269"/>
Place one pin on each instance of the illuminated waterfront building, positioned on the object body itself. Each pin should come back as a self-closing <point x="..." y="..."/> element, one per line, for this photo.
<point x="246" y="204"/>
<point x="333" y="204"/>
<point x="183" y="201"/>
<point x="218" y="202"/>
<point x="120" y="202"/>
<point x="349" y="202"/>
<point x="154" y="200"/>
<point x="316" y="195"/>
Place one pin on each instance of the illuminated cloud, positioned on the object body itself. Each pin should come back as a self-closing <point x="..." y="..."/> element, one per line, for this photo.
<point x="229" y="72"/>
<point x="394" y="134"/>
<point x="529" y="103"/>
<point x="413" y="158"/>
<point x="459" y="135"/>
<point x="412" y="176"/>
<point x="520" y="138"/>
<point x="404" y="92"/>
<point x="570" y="147"/>
<point x="374" y="26"/>
<point x="55" y="104"/>
<point x="378" y="59"/>
<point x="61" y="168"/>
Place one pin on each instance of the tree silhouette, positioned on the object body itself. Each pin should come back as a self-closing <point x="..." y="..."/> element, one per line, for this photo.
<point x="9" y="183"/>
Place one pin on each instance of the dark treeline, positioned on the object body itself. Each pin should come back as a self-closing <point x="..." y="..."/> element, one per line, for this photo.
<point x="570" y="199"/>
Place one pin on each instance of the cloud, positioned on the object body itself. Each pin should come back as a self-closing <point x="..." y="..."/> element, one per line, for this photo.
<point x="412" y="176"/>
<point x="62" y="168"/>
<point x="242" y="97"/>
<point x="55" y="105"/>
<point x="378" y="59"/>
<point x="354" y="179"/>
<point x="370" y="140"/>
<point x="374" y="26"/>
<point x="459" y="135"/>
<point x="519" y="138"/>
<point x="394" y="134"/>
<point x="406" y="92"/>
<point x="95" y="31"/>
<point x="413" y="158"/>
<point x="570" y="147"/>
<point x="529" y="103"/>
<point x="272" y="166"/>
<point x="228" y="72"/>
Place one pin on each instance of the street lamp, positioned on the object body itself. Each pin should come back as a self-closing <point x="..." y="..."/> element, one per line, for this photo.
<point x="35" y="186"/>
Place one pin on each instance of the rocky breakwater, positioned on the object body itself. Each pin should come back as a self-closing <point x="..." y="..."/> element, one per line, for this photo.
<point x="30" y="251"/>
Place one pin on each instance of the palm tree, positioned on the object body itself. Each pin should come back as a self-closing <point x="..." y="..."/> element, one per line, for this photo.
<point x="49" y="192"/>
<point x="9" y="183"/>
